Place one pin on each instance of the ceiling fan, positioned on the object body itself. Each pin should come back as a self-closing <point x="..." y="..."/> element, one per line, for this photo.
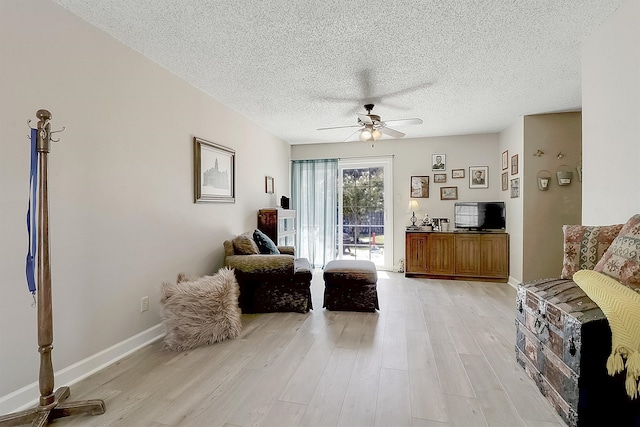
<point x="372" y="127"/>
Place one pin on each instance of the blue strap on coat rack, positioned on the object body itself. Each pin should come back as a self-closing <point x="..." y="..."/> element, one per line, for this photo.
<point x="31" y="214"/>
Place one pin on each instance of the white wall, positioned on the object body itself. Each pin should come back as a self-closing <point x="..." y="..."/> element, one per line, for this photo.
<point x="512" y="141"/>
<point x="413" y="157"/>
<point x="122" y="217"/>
<point x="611" y="118"/>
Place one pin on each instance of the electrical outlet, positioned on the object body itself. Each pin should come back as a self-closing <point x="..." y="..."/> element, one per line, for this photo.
<point x="144" y="304"/>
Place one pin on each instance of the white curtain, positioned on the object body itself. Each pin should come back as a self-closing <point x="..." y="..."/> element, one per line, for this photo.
<point x="315" y="198"/>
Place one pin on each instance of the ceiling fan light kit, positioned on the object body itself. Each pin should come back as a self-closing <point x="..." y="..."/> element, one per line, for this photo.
<point x="369" y="133"/>
<point x="373" y="127"/>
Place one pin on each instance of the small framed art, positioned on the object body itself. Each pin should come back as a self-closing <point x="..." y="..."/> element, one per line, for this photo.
<point x="457" y="173"/>
<point x="214" y="172"/>
<point x="505" y="181"/>
<point x="515" y="187"/>
<point x="505" y="159"/>
<point x="514" y="164"/>
<point x="478" y="176"/>
<point x="269" y="184"/>
<point x="439" y="162"/>
<point x="419" y="187"/>
<point x="448" y="193"/>
<point x="439" y="178"/>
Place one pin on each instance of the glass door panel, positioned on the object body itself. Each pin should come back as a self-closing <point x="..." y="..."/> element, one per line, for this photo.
<point x="363" y="212"/>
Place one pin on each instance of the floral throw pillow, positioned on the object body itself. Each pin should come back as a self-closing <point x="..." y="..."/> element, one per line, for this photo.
<point x="584" y="245"/>
<point x="622" y="260"/>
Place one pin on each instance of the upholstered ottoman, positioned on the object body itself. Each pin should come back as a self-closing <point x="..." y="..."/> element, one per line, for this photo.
<point x="350" y="285"/>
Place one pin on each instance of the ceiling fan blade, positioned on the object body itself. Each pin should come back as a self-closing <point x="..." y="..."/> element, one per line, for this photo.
<point x="391" y="132"/>
<point x="340" y="127"/>
<point x="404" y="122"/>
<point x="365" y="119"/>
<point x="351" y="137"/>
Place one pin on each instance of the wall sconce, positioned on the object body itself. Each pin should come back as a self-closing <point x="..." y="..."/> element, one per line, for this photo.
<point x="560" y="155"/>
<point x="544" y="179"/>
<point x="538" y="153"/>
<point x="564" y="176"/>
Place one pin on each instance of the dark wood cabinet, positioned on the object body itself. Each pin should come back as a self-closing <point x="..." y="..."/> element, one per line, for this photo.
<point x="279" y="225"/>
<point x="458" y="255"/>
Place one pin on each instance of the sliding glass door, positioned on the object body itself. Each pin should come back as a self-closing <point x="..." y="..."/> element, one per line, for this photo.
<point x="365" y="223"/>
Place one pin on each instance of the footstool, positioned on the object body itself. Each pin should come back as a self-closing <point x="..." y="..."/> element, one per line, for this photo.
<point x="350" y="285"/>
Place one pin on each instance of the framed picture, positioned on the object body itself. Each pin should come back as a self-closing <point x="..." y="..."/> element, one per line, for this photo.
<point x="439" y="177"/>
<point x="514" y="164"/>
<point x="269" y="184"/>
<point x="478" y="176"/>
<point x="505" y="159"/>
<point x="214" y="172"/>
<point x="448" y="193"/>
<point x="505" y="181"/>
<point x="419" y="187"/>
<point x="439" y="162"/>
<point x="457" y="173"/>
<point x="515" y="187"/>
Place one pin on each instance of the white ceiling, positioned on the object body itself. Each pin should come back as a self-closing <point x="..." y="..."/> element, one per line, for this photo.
<point x="463" y="66"/>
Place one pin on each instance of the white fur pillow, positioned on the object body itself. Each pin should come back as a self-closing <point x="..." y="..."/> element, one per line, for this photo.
<point x="201" y="311"/>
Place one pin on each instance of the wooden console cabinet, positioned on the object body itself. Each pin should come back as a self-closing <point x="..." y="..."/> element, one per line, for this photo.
<point x="457" y="255"/>
<point x="279" y="225"/>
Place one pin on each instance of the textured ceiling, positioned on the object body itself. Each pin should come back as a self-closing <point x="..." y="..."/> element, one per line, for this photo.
<point x="463" y="66"/>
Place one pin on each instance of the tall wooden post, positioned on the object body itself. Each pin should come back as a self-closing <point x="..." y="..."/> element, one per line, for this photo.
<point x="52" y="405"/>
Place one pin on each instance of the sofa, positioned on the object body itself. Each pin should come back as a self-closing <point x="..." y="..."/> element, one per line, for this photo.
<point x="270" y="280"/>
<point x="564" y="336"/>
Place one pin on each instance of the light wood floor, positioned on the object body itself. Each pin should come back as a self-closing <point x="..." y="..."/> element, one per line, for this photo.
<point x="439" y="353"/>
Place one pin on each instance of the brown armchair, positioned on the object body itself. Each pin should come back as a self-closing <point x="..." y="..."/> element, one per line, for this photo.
<point x="269" y="283"/>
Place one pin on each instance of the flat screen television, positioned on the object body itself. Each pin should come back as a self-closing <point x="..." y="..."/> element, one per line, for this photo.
<point x="479" y="215"/>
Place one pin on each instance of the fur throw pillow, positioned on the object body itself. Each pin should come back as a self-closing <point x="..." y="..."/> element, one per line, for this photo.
<point x="201" y="311"/>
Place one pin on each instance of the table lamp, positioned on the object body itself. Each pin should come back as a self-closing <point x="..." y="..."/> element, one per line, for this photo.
<point x="413" y="207"/>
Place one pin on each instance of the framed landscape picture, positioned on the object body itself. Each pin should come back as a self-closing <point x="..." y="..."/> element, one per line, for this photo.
<point x="448" y="193"/>
<point x="419" y="187"/>
<point x="214" y="172"/>
<point x="439" y="178"/>
<point x="478" y="176"/>
<point x="457" y="173"/>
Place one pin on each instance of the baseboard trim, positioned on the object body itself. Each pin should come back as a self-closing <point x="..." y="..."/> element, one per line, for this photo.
<point x="29" y="395"/>
<point x="513" y="282"/>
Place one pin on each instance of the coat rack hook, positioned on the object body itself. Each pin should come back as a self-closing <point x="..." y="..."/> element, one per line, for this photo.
<point x="56" y="131"/>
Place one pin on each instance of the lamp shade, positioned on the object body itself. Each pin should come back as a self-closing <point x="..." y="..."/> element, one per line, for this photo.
<point x="413" y="206"/>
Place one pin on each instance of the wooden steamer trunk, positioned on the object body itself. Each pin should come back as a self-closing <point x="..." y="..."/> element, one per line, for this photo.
<point x="563" y="342"/>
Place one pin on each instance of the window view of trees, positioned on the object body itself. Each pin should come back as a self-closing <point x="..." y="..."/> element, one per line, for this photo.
<point x="363" y="212"/>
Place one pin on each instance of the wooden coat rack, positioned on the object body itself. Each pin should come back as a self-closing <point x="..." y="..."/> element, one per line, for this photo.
<point x="52" y="405"/>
